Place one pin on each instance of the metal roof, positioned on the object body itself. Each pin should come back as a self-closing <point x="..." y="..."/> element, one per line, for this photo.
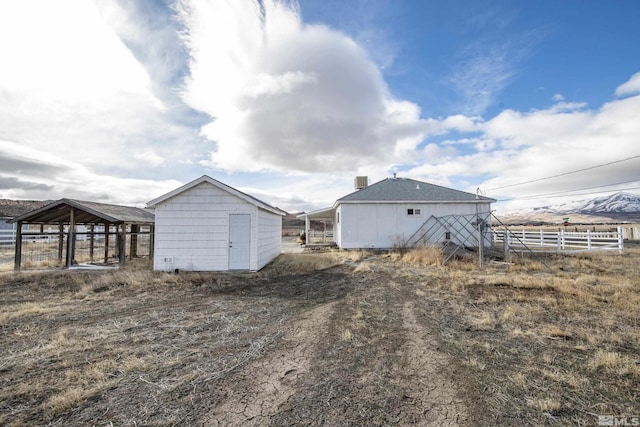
<point x="410" y="190"/>
<point x="205" y="178"/>
<point x="86" y="213"/>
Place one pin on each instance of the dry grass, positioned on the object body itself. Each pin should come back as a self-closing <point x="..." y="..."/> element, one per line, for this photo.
<point x="556" y="340"/>
<point x="553" y="342"/>
<point x="302" y="263"/>
<point x="135" y="346"/>
<point x="424" y="256"/>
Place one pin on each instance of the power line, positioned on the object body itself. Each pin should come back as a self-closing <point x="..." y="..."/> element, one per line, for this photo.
<point x="556" y="195"/>
<point x="564" y="174"/>
<point x="567" y="192"/>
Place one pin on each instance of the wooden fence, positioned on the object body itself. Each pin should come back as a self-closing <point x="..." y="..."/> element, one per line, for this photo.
<point x="560" y="241"/>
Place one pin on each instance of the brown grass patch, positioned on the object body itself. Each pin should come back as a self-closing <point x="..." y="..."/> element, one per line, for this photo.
<point x="428" y="255"/>
<point x="552" y="338"/>
<point x="554" y="342"/>
<point x="302" y="263"/>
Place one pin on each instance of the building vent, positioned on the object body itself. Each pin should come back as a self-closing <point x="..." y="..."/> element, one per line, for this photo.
<point x="361" y="182"/>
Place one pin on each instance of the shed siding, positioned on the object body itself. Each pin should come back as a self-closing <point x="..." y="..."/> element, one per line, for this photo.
<point x="192" y="229"/>
<point x="269" y="237"/>
<point x="384" y="225"/>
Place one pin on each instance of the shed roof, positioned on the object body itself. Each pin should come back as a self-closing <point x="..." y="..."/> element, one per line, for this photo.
<point x="410" y="190"/>
<point x="86" y="213"/>
<point x="204" y="178"/>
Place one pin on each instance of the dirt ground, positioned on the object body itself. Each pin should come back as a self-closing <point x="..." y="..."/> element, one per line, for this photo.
<point x="372" y="342"/>
<point x="331" y="347"/>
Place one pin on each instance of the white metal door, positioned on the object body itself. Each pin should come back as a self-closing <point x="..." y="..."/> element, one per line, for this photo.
<point x="239" y="241"/>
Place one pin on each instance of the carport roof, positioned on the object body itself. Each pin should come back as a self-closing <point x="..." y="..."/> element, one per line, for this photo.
<point x="326" y="213"/>
<point x="86" y="213"/>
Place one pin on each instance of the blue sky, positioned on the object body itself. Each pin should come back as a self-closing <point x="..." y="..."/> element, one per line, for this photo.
<point x="123" y="101"/>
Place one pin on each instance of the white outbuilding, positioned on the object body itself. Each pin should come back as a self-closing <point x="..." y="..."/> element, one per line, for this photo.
<point x="403" y="212"/>
<point x="206" y="225"/>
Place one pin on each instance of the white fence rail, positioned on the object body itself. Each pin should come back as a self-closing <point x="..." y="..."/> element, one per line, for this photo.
<point x="560" y="241"/>
<point x="320" y="236"/>
<point x="7" y="237"/>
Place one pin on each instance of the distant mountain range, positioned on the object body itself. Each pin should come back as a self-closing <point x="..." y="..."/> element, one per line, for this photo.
<point x="618" y="207"/>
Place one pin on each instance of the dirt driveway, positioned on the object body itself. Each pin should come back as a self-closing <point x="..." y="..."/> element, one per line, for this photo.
<point x="366" y="359"/>
<point x="336" y="347"/>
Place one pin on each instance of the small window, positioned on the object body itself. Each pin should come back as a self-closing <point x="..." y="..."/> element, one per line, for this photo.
<point x="416" y="212"/>
<point x="413" y="211"/>
<point x="409" y="211"/>
<point x="338" y="217"/>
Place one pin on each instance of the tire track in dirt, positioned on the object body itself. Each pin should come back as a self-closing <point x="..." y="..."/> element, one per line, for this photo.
<point x="256" y="393"/>
<point x="439" y="394"/>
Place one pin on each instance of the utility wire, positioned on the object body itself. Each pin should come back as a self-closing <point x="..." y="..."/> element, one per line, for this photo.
<point x="564" y="174"/>
<point x="542" y="196"/>
<point x="567" y="192"/>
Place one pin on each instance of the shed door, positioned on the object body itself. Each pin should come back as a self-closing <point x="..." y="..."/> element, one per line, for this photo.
<point x="239" y="242"/>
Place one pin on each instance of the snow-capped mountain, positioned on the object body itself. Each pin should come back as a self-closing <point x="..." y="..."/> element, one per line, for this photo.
<point x="613" y="208"/>
<point x="616" y="203"/>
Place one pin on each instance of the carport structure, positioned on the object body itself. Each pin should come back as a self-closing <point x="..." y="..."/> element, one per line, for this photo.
<point x="99" y="221"/>
<point x="324" y="216"/>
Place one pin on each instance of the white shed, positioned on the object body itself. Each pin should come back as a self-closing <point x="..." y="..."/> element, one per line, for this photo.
<point x="206" y="225"/>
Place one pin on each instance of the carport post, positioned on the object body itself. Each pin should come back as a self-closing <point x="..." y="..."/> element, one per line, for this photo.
<point x="71" y="238"/>
<point x="60" y="241"/>
<point x="107" y="227"/>
<point x="123" y="243"/>
<point x="151" y="241"/>
<point x="18" y="258"/>
<point x="91" y="241"/>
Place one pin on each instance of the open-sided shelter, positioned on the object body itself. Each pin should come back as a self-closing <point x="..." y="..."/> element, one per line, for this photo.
<point x="67" y="215"/>
<point x="206" y="225"/>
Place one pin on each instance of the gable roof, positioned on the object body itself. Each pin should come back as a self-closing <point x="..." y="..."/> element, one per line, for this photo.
<point x="204" y="178"/>
<point x="86" y="213"/>
<point x="409" y="190"/>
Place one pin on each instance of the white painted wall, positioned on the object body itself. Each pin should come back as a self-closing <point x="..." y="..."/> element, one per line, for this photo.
<point x="269" y="237"/>
<point x="383" y="225"/>
<point x="192" y="230"/>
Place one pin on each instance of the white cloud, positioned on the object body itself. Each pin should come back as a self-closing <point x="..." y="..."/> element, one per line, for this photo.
<point x="630" y="87"/>
<point x="30" y="176"/>
<point x="550" y="142"/>
<point x="70" y="87"/>
<point x="558" y="97"/>
<point x="482" y="73"/>
<point x="288" y="96"/>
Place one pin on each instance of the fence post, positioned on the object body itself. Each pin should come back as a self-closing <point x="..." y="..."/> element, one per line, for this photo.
<point x="560" y="242"/>
<point x="620" y="240"/>
<point x="506" y="245"/>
